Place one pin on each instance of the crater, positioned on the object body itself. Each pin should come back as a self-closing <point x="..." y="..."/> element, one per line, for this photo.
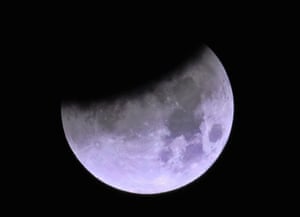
<point x="215" y="133"/>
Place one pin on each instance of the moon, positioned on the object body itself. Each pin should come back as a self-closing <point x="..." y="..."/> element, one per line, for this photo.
<point x="161" y="139"/>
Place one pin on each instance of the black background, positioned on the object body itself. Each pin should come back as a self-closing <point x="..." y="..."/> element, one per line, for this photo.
<point x="82" y="58"/>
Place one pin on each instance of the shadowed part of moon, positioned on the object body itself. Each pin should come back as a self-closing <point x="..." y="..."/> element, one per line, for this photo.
<point x="108" y="116"/>
<point x="187" y="93"/>
<point x="215" y="133"/>
<point x="182" y="123"/>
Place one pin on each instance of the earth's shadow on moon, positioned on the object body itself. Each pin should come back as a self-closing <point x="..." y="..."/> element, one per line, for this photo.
<point x="123" y="71"/>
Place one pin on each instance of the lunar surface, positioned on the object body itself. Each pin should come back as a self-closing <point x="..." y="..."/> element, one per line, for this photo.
<point x="160" y="140"/>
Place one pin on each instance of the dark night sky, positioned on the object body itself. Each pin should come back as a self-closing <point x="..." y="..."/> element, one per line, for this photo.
<point x="73" y="61"/>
